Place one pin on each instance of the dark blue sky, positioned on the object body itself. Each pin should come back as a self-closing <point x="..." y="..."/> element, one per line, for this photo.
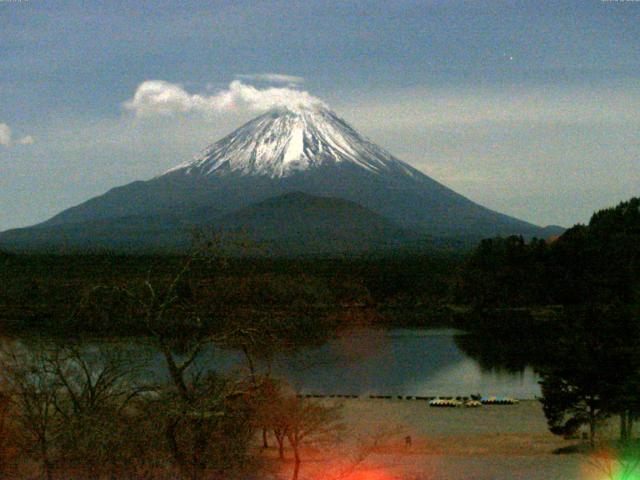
<point x="531" y="108"/>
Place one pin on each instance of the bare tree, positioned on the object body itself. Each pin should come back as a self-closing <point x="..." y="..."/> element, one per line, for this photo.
<point x="205" y="417"/>
<point x="271" y="412"/>
<point x="96" y="386"/>
<point x="67" y="403"/>
<point x="33" y="391"/>
<point x="309" y="422"/>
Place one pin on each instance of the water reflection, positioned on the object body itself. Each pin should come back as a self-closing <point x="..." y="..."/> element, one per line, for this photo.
<point x="494" y="354"/>
<point x="396" y="362"/>
<point x="406" y="362"/>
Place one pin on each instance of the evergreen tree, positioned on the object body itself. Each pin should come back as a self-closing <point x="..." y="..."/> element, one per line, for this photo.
<point x="593" y="370"/>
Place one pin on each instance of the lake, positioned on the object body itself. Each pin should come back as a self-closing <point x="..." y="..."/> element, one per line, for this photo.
<point x="407" y="362"/>
<point x="401" y="362"/>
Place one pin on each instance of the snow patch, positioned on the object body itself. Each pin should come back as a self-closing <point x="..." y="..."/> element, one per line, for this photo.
<point x="285" y="141"/>
<point x="295" y="146"/>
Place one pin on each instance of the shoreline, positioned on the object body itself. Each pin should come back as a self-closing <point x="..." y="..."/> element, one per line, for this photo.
<point x="492" y="442"/>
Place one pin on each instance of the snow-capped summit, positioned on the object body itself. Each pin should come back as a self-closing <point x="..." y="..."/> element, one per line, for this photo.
<point x="285" y="141"/>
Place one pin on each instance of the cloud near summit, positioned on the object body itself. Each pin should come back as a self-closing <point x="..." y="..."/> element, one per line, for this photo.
<point x="158" y="97"/>
<point x="6" y="137"/>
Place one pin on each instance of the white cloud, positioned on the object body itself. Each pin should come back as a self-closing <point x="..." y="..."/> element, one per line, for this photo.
<point x="271" y="78"/>
<point x="157" y="97"/>
<point x="26" y="140"/>
<point x="5" y="135"/>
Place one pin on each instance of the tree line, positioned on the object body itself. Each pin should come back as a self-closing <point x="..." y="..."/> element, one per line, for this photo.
<point x="594" y="263"/>
<point x="38" y="291"/>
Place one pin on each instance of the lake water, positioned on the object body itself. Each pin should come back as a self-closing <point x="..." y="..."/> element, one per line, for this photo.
<point x="407" y="362"/>
<point x="401" y="362"/>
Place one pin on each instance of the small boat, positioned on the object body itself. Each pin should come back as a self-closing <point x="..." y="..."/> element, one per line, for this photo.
<point x="445" y="402"/>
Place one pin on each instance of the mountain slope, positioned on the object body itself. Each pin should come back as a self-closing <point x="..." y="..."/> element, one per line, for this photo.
<point x="308" y="150"/>
<point x="289" y="225"/>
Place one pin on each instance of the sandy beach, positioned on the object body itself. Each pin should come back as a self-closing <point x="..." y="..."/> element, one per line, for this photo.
<point x="484" y="443"/>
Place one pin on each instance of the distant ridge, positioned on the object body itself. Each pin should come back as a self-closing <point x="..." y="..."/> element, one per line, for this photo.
<point x="298" y="223"/>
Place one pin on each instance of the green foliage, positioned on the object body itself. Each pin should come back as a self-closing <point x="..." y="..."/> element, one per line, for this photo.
<point x="598" y="263"/>
<point x="505" y="271"/>
<point x="509" y="339"/>
<point x="592" y="368"/>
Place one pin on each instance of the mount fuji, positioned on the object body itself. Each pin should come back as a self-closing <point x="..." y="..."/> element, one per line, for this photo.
<point x="293" y="177"/>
